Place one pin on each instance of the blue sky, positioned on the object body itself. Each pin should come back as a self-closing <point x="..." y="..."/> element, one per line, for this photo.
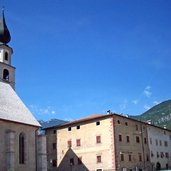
<point x="82" y="57"/>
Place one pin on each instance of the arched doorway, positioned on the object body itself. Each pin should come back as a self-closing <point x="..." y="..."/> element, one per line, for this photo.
<point x="158" y="166"/>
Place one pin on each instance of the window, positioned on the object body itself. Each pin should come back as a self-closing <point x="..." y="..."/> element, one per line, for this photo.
<point x="136" y="127"/>
<point x="137" y="139"/>
<point x="99" y="159"/>
<point x="21" y="148"/>
<point x="99" y="169"/>
<point x="120" y="137"/>
<point x="140" y="157"/>
<point x="145" y="140"/>
<point x="54" y="163"/>
<point x="98" y="139"/>
<point x="152" y="154"/>
<point x="78" y="126"/>
<point x="79" y="160"/>
<point x="127" y="139"/>
<point x="69" y="128"/>
<point x="69" y="143"/>
<point x="160" y="143"/>
<point x="54" y="146"/>
<point x="6" y="75"/>
<point x="167" y="155"/>
<point x="122" y="157"/>
<point x="6" y="56"/>
<point x="98" y="123"/>
<point x="167" y="166"/>
<point x="118" y="121"/>
<point x="165" y="143"/>
<point x="161" y="154"/>
<point x="157" y="154"/>
<point x="78" y="142"/>
<point x="156" y="142"/>
<point x="54" y="131"/>
<point x="71" y="161"/>
<point x="130" y="157"/>
<point x="147" y="157"/>
<point x="126" y="123"/>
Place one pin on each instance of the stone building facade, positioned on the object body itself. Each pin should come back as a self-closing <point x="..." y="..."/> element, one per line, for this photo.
<point x="106" y="143"/>
<point x="159" y="141"/>
<point x="131" y="142"/>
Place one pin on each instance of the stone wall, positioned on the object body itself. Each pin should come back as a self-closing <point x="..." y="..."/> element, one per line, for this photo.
<point x="9" y="146"/>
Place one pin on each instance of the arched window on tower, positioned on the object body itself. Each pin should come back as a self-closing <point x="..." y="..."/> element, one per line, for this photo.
<point x="6" y="75"/>
<point x="21" y="148"/>
<point x="6" y="56"/>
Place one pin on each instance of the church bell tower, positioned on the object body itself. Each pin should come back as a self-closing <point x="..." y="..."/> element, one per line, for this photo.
<point x="7" y="71"/>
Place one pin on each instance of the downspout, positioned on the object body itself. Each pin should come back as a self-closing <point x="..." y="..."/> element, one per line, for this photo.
<point x="114" y="144"/>
<point x="36" y="152"/>
<point x="142" y="139"/>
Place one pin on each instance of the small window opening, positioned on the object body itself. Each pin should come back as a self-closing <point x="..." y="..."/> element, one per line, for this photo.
<point x="71" y="161"/>
<point x="98" y="139"/>
<point x="6" y="56"/>
<point x="130" y="157"/>
<point x="137" y="139"/>
<point x="21" y="148"/>
<point x="6" y="75"/>
<point x="54" y="146"/>
<point x="54" y="163"/>
<point x="69" y="143"/>
<point x="99" y="159"/>
<point x="78" y="142"/>
<point x="98" y="123"/>
<point x="69" y="129"/>
<point x="78" y="126"/>
<point x="127" y="139"/>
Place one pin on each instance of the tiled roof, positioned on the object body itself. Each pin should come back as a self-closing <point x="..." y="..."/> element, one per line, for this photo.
<point x="89" y="118"/>
<point x="12" y="108"/>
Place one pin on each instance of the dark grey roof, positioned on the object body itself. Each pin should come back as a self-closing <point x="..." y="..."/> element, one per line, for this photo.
<point x="5" y="36"/>
<point x="51" y="123"/>
<point x="12" y="108"/>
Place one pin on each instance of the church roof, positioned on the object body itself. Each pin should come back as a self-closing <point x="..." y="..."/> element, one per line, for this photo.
<point x="4" y="32"/>
<point x="12" y="108"/>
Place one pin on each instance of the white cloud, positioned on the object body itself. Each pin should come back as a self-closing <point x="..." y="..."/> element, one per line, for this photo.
<point x="147" y="91"/>
<point x="123" y="105"/>
<point x="146" y="107"/>
<point x="156" y="102"/>
<point x="47" y="110"/>
<point x="135" y="102"/>
<point x="53" y="112"/>
<point x="69" y="119"/>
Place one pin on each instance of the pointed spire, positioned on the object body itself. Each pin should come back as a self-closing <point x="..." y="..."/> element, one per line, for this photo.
<point x="4" y="32"/>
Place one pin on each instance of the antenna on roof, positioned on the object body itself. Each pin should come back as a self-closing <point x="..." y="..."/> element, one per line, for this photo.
<point x="109" y="112"/>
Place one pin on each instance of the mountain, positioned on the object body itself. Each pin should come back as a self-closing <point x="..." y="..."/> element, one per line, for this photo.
<point x="159" y="115"/>
<point x="51" y="123"/>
